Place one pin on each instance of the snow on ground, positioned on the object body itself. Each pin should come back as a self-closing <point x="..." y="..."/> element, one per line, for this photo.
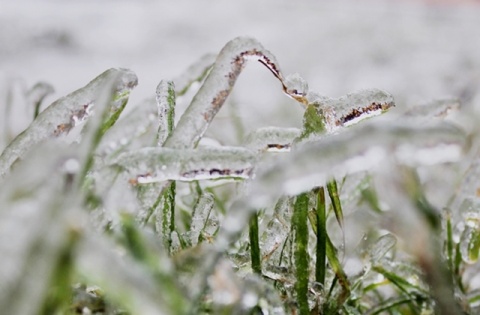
<point x="415" y="50"/>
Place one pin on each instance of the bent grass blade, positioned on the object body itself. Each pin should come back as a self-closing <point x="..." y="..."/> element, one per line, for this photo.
<point x="66" y="113"/>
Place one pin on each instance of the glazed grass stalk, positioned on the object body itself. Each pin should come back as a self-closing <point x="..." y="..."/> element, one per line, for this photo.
<point x="321" y="250"/>
<point x="137" y="246"/>
<point x="335" y="198"/>
<point x="166" y="100"/>
<point x="60" y="294"/>
<point x="254" y="244"/>
<point x="99" y="124"/>
<point x="323" y="240"/>
<point x="302" y="270"/>
<point x="437" y="274"/>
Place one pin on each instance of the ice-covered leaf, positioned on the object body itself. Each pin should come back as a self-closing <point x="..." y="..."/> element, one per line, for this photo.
<point x="67" y="112"/>
<point x="153" y="164"/>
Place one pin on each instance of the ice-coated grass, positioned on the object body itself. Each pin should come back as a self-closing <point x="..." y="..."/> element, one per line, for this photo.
<point x="137" y="216"/>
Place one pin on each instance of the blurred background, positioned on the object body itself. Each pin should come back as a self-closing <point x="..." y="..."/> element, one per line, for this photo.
<point x="416" y="50"/>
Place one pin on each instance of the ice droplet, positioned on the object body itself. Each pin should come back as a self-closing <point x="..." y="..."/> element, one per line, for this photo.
<point x="154" y="164"/>
<point x="62" y="115"/>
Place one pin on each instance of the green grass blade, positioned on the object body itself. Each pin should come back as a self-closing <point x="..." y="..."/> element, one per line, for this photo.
<point x="299" y="222"/>
<point x="168" y="214"/>
<point x="338" y="269"/>
<point x="369" y="195"/>
<point x="166" y="110"/>
<point x="449" y="242"/>
<point x="400" y="282"/>
<point x="321" y="231"/>
<point x="335" y="198"/>
<point x="390" y="304"/>
<point x="255" y="254"/>
<point x="313" y="123"/>
<point x="60" y="293"/>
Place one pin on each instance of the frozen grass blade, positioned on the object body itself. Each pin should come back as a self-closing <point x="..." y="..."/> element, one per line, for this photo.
<point x="339" y="272"/>
<point x="313" y="123"/>
<point x="299" y="224"/>
<point x="136" y="284"/>
<point x="167" y="202"/>
<point x="216" y="88"/>
<point x="166" y="114"/>
<point x="254" y="244"/>
<point x="335" y="198"/>
<point x="37" y="94"/>
<point x="129" y="131"/>
<point x="437" y="275"/>
<point x="391" y="304"/>
<point x="38" y="232"/>
<point x="352" y="108"/>
<point x="150" y="165"/>
<point x="321" y="250"/>
<point x="200" y="217"/>
<point x="108" y="108"/>
<point x="195" y="73"/>
<point x="271" y="139"/>
<point x="64" y="114"/>
<point x="166" y="110"/>
<point x="358" y="149"/>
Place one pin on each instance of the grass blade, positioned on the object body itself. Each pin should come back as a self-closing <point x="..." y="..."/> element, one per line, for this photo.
<point x="339" y="272"/>
<point x="321" y="232"/>
<point x="335" y="198"/>
<point x="255" y="245"/>
<point x="299" y="224"/>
